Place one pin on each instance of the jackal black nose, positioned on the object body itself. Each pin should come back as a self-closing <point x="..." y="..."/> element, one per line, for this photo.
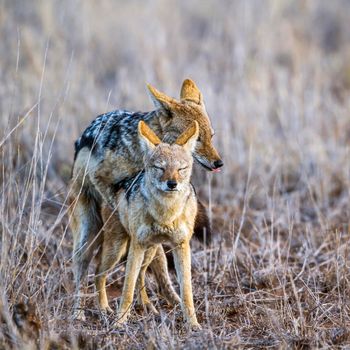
<point x="171" y="184"/>
<point x="218" y="163"/>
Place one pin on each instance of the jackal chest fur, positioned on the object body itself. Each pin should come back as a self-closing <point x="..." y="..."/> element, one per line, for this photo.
<point x="154" y="221"/>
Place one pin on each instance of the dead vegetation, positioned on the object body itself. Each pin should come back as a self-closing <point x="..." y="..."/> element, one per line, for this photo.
<point x="276" y="80"/>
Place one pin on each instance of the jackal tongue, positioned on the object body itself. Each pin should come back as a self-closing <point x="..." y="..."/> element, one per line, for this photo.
<point x="216" y="170"/>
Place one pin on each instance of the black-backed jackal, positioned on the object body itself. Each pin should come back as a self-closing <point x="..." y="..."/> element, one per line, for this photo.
<point x="109" y="152"/>
<point x="158" y="207"/>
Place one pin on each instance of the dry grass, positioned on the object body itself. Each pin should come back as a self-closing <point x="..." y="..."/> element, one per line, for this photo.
<point x="276" y="79"/>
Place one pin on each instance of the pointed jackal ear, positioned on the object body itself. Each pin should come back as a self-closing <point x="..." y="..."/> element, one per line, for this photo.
<point x="149" y="140"/>
<point x="189" y="137"/>
<point x="190" y="92"/>
<point x="159" y="99"/>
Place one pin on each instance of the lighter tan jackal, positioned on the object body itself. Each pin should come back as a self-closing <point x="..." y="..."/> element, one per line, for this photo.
<point x="159" y="207"/>
<point x="109" y="152"/>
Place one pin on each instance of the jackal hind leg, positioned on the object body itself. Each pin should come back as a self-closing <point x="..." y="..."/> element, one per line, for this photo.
<point x="159" y="267"/>
<point x="86" y="224"/>
<point x="142" y="296"/>
<point x="115" y="241"/>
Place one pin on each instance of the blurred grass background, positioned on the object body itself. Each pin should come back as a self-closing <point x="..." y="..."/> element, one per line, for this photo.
<point x="275" y="76"/>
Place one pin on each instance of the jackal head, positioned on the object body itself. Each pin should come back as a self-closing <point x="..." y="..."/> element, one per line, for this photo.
<point x="180" y="114"/>
<point x="168" y="168"/>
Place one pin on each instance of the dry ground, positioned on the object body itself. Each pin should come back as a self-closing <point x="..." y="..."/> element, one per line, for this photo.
<point x="275" y="76"/>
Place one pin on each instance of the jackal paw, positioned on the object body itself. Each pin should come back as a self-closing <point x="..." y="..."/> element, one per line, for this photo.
<point x="105" y="316"/>
<point x="106" y="310"/>
<point x="173" y="299"/>
<point x="170" y="296"/>
<point x="144" y="304"/>
<point x="150" y="308"/>
<point x="120" y="320"/>
<point x="194" y="326"/>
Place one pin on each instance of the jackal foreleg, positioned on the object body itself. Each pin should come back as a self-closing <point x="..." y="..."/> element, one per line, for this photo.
<point x="133" y="267"/>
<point x="182" y="257"/>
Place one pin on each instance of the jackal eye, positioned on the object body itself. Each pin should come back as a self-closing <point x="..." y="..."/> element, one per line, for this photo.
<point x="181" y="170"/>
<point x="158" y="167"/>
